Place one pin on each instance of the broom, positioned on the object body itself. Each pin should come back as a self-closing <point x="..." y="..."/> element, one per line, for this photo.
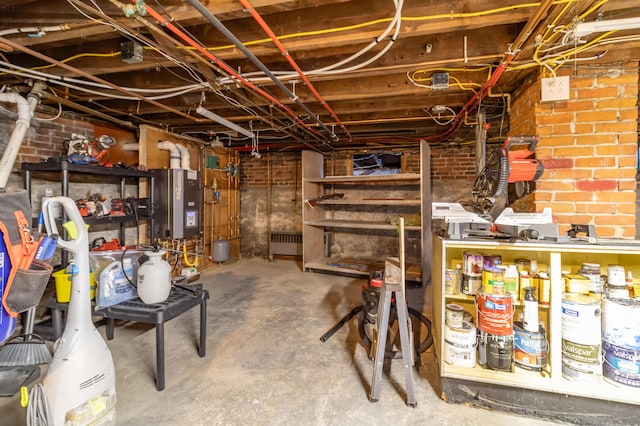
<point x="27" y="348"/>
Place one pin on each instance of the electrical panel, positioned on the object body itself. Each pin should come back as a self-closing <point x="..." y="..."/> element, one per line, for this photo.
<point x="177" y="209"/>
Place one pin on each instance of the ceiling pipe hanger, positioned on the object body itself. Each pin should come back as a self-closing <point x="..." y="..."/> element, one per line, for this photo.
<point x="218" y="62"/>
<point x="233" y="39"/>
<point x="258" y="18"/>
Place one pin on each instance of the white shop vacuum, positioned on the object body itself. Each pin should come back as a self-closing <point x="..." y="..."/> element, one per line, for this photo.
<point x="80" y="385"/>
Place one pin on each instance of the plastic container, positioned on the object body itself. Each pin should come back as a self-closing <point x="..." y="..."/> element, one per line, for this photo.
<point x="154" y="278"/>
<point x="99" y="260"/>
<point x="63" y="286"/>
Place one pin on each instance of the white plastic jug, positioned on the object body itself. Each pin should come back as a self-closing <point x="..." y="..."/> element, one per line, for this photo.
<point x="154" y="278"/>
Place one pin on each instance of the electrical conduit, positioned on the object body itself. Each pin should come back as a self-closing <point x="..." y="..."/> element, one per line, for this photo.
<point x="229" y="35"/>
<point x="224" y="66"/>
<point x="292" y="62"/>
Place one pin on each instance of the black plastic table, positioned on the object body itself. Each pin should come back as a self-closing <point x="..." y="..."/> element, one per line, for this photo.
<point x="180" y="300"/>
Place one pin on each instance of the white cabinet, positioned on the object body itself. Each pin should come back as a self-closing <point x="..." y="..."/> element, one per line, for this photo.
<point x="364" y="210"/>
<point x="556" y="258"/>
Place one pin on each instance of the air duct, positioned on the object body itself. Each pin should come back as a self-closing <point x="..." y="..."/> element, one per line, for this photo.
<point x="174" y="160"/>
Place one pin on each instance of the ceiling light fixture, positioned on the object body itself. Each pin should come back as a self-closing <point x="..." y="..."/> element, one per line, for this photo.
<point x="586" y="28"/>
<point x="221" y="120"/>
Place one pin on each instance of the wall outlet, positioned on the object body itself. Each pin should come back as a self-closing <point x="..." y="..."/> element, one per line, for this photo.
<point x="555" y="89"/>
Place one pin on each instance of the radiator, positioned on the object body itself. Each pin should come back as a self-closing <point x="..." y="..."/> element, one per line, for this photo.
<point x="285" y="243"/>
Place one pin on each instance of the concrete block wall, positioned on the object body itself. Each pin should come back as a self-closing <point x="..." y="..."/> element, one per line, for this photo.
<point x="588" y="145"/>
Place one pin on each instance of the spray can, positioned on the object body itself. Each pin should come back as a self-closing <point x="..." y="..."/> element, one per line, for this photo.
<point x="530" y="310"/>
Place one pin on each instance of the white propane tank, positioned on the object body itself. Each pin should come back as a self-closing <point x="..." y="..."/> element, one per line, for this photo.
<point x="154" y="278"/>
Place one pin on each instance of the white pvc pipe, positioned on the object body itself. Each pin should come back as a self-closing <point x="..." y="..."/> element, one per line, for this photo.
<point x="25" y="112"/>
<point x="174" y="160"/>
<point x="185" y="157"/>
<point x="131" y="146"/>
<point x="585" y="28"/>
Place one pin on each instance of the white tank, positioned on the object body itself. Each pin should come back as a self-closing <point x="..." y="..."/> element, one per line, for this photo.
<point x="154" y="278"/>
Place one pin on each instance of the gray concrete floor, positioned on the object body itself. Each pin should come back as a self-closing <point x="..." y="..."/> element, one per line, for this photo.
<point x="265" y="363"/>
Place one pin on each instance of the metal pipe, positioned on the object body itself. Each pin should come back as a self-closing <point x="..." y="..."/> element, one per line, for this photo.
<point x="163" y="34"/>
<point x="233" y="39"/>
<point x="217" y="61"/>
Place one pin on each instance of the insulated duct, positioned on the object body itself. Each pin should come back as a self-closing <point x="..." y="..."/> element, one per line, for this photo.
<point x="174" y="160"/>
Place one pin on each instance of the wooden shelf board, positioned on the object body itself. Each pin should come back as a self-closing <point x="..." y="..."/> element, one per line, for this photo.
<point x="357" y="224"/>
<point x="597" y="388"/>
<point x="380" y="202"/>
<point x="369" y="178"/>
<point x="358" y="266"/>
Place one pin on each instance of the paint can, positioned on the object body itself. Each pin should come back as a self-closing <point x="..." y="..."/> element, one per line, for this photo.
<point x="616" y="275"/>
<point x="452" y="281"/>
<point x="454" y="315"/>
<point x="581" y="336"/>
<point x="523" y="264"/>
<point x="621" y="323"/>
<point x="471" y="285"/>
<point x="621" y="365"/>
<point x="491" y="260"/>
<point x="472" y="264"/>
<point x="496" y="352"/>
<point x="495" y="313"/>
<point x="460" y="345"/>
<point x="618" y="292"/>
<point x="544" y="289"/>
<point x="493" y="280"/>
<point x="530" y="348"/>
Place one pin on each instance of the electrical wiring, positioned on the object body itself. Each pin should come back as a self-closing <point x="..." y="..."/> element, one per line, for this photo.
<point x="103" y="94"/>
<point x="395" y="22"/>
<point x="143" y="41"/>
<point x="455" y="80"/>
<point x="437" y="119"/>
<point x="53" y="77"/>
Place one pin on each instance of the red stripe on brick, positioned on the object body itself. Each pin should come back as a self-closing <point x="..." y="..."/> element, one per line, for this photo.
<point x="597" y="185"/>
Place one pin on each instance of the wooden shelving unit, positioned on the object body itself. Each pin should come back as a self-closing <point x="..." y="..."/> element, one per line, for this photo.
<point x="557" y="258"/>
<point x="369" y="206"/>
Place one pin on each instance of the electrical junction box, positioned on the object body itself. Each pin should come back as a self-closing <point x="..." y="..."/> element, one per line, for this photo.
<point x="177" y="204"/>
<point x="555" y="89"/>
<point x="131" y="52"/>
<point x="440" y="81"/>
<point x="212" y="162"/>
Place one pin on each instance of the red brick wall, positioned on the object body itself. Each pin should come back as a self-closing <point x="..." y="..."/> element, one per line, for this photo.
<point x="588" y="146"/>
<point x="45" y="139"/>
<point x="446" y="164"/>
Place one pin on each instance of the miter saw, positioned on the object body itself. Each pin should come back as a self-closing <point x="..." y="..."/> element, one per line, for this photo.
<point x="512" y="163"/>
